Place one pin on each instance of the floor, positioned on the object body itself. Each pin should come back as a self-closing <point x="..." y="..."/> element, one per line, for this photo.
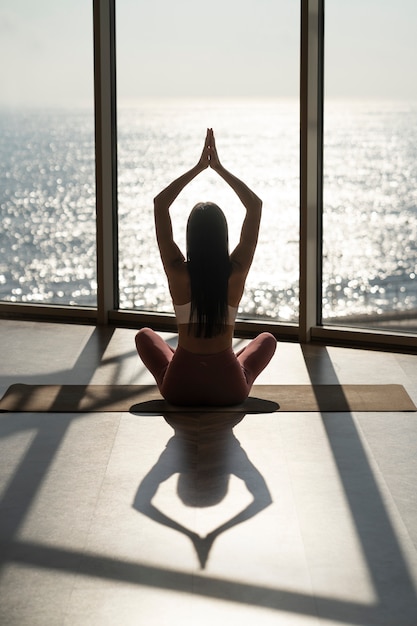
<point x="275" y="519"/>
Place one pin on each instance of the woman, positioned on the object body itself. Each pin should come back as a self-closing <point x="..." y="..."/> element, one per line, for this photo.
<point x="206" y="288"/>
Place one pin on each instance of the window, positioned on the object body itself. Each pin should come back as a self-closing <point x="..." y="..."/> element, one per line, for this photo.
<point x="47" y="185"/>
<point x="370" y="169"/>
<point x="233" y="68"/>
<point x="346" y="274"/>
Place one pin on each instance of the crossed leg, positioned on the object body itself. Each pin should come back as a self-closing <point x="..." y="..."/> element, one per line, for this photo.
<point x="256" y="355"/>
<point x="156" y="354"/>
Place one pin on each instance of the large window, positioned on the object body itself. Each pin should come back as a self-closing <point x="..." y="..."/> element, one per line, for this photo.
<point x="370" y="165"/>
<point x="233" y="67"/>
<point x="337" y="252"/>
<point x="47" y="180"/>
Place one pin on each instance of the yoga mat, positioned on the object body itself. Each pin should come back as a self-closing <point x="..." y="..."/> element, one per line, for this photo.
<point x="145" y="399"/>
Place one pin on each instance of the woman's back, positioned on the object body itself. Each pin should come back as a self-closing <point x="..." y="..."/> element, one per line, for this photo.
<point x="180" y="288"/>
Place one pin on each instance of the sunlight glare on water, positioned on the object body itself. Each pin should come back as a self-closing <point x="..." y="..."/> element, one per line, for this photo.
<point x="370" y="209"/>
<point x="257" y="141"/>
<point x="47" y="202"/>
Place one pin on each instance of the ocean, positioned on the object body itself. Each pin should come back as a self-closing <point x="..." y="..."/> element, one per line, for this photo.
<point x="47" y="202"/>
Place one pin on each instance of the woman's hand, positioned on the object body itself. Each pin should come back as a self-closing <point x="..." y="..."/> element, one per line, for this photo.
<point x="204" y="160"/>
<point x="214" y="157"/>
<point x="209" y="156"/>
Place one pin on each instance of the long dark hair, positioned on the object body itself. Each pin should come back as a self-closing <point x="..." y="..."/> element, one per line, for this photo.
<point x="209" y="268"/>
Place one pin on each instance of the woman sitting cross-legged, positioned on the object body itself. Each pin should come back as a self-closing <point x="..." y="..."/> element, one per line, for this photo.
<point x="206" y="288"/>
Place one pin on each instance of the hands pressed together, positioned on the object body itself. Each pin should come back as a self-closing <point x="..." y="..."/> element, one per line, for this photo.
<point x="209" y="156"/>
<point x="243" y="253"/>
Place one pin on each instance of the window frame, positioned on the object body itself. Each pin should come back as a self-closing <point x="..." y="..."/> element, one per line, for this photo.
<point x="309" y="328"/>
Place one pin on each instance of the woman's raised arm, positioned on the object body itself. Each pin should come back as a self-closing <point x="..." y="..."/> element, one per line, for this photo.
<point x="244" y="251"/>
<point x="170" y="252"/>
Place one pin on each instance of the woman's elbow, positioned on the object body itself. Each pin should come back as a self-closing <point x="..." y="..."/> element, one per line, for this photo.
<point x="257" y="203"/>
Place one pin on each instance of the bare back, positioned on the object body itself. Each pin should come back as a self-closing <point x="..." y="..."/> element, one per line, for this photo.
<point x="179" y="286"/>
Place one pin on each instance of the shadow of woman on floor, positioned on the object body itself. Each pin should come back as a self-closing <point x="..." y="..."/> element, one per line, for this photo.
<point x="205" y="453"/>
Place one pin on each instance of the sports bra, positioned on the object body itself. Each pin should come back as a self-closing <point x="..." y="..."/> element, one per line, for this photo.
<point x="182" y="313"/>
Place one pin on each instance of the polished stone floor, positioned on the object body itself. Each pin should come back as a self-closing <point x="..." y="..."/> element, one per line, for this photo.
<point x="276" y="519"/>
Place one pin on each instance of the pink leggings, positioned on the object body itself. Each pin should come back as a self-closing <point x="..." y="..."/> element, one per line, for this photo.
<point x="221" y="379"/>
